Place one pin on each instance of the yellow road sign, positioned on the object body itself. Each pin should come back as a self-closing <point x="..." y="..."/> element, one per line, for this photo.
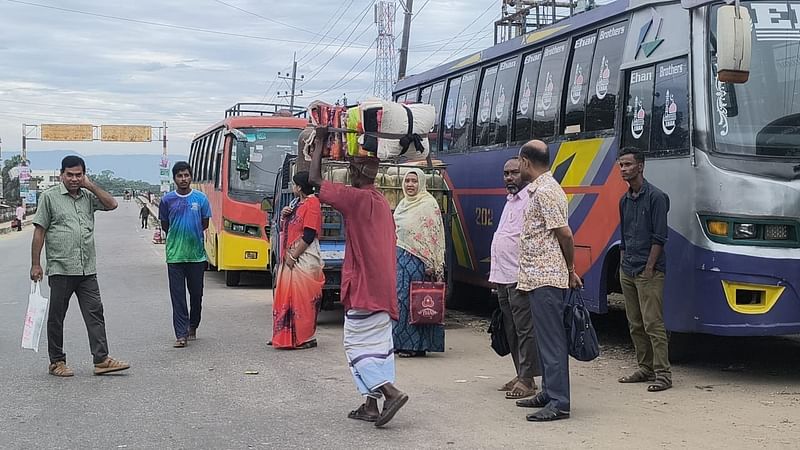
<point x="126" y="133"/>
<point x="66" y="132"/>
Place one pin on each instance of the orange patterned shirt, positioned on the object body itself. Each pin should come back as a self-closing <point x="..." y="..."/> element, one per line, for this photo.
<point x="541" y="262"/>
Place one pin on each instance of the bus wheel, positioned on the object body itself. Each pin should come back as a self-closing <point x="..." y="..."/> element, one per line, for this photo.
<point x="681" y="346"/>
<point x="329" y="298"/>
<point x="232" y="277"/>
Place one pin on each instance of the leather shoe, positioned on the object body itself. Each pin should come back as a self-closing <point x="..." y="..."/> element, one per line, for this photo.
<point x="547" y="415"/>
<point x="537" y="401"/>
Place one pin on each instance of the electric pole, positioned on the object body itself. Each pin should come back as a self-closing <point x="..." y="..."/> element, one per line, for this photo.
<point x="293" y="78"/>
<point x="401" y="73"/>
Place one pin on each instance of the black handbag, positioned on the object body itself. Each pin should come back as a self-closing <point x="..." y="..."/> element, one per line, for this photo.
<point x="581" y="337"/>
<point x="498" y="332"/>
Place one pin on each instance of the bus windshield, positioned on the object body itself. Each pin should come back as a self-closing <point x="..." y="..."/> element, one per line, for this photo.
<point x="762" y="116"/>
<point x="267" y="148"/>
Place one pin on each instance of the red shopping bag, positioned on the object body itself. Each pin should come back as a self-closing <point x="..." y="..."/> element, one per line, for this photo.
<point x="426" y="306"/>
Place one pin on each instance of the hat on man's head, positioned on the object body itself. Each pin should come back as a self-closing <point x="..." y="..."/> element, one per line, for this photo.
<point x="367" y="166"/>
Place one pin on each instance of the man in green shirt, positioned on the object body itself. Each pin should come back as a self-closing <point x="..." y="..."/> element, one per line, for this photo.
<point x="64" y="223"/>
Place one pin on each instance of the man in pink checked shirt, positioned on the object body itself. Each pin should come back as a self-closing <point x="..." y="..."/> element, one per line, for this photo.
<point x="516" y="308"/>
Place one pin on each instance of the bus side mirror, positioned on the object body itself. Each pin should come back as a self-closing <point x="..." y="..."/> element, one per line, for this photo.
<point x="734" y="44"/>
<point x="243" y="159"/>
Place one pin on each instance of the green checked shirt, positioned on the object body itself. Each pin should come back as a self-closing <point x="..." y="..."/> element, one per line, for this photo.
<point x="69" y="230"/>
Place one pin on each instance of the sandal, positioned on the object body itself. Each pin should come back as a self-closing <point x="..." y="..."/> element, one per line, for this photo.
<point x="390" y="408"/>
<point x="509" y="386"/>
<point x="409" y="353"/>
<point x="521" y="390"/>
<point x="60" y="369"/>
<point x="361" y="414"/>
<point x="640" y="376"/>
<point x="180" y="343"/>
<point x="662" y="383"/>
<point x="309" y="344"/>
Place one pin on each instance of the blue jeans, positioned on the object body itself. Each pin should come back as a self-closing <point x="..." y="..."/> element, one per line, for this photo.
<point x="181" y="277"/>
<point x="547" y="307"/>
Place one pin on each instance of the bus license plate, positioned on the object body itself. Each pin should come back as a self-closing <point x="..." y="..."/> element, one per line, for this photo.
<point x="250" y="255"/>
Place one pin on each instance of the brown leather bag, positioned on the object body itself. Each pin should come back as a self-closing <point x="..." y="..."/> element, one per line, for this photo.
<point x="427" y="303"/>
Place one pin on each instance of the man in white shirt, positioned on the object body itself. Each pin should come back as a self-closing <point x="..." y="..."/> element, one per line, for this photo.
<point x="20" y="215"/>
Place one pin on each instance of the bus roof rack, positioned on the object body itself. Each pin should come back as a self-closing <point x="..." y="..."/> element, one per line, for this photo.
<point x="265" y="109"/>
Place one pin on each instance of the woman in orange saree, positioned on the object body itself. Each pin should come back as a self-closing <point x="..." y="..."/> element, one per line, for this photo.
<point x="298" y="289"/>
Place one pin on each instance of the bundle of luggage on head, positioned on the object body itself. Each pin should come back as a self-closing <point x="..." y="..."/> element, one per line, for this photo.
<point x="375" y="128"/>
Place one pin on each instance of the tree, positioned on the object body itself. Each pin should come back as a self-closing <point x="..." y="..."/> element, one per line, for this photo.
<point x="11" y="186"/>
<point x="116" y="185"/>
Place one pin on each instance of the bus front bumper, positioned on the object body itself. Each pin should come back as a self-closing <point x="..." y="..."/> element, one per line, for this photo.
<point x="736" y="295"/>
<point x="237" y="252"/>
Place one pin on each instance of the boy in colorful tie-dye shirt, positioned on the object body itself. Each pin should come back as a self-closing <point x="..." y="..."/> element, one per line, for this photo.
<point x="184" y="215"/>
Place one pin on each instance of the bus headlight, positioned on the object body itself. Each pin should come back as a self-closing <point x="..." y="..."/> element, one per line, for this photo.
<point x="764" y="232"/>
<point x="745" y="231"/>
<point x="717" y="227"/>
<point x="776" y="232"/>
<point x="249" y="230"/>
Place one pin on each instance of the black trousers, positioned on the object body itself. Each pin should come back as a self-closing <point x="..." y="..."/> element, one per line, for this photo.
<point x="547" y="307"/>
<point x="87" y="290"/>
<point x="518" y="322"/>
<point x="183" y="276"/>
<point x="144" y="222"/>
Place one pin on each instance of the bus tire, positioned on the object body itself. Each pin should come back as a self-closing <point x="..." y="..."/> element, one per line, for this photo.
<point x="681" y="346"/>
<point x="232" y="277"/>
<point x="273" y="273"/>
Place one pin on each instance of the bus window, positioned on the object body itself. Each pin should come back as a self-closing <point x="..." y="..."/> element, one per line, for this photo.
<point x="425" y="95"/>
<point x="451" y="104"/>
<point x="548" y="90"/>
<point x="580" y="69"/>
<point x="437" y="96"/>
<point x="201" y="160"/>
<point x="670" y="133"/>
<point x="207" y="158"/>
<point x="192" y="158"/>
<point x="220" y="139"/>
<point x="527" y="85"/>
<point x="601" y="110"/>
<point x="639" y="109"/>
<point x="503" y="99"/>
<point x="485" y="106"/>
<point x="463" y="125"/>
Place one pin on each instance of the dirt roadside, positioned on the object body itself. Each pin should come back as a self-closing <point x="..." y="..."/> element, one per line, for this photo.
<point x="736" y="394"/>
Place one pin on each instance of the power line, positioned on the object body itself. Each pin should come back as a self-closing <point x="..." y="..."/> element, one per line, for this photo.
<point x="339" y="51"/>
<point x="328" y="22"/>
<point x="333" y="25"/>
<point x="336" y="84"/>
<point x="352" y="26"/>
<point x="268" y="19"/>
<point x="158" y="24"/>
<point x="420" y="9"/>
<point x="463" y="47"/>
<point x="492" y="5"/>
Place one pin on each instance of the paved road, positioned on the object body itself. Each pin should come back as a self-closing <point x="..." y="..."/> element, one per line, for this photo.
<point x="200" y="397"/>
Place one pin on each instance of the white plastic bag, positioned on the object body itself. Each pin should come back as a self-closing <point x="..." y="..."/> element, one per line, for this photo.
<point x="34" y="318"/>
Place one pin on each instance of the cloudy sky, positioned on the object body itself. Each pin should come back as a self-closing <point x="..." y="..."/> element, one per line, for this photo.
<point x="185" y="62"/>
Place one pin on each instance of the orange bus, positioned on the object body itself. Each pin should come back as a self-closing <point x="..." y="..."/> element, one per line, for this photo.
<point x="235" y="162"/>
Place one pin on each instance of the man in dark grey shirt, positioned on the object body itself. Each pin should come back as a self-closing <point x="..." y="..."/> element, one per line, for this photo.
<point x="643" y="226"/>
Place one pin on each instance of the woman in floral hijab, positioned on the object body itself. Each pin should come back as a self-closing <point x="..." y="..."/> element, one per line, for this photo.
<point x="420" y="253"/>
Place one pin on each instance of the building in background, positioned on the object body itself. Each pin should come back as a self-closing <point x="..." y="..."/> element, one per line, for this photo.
<point x="47" y="178"/>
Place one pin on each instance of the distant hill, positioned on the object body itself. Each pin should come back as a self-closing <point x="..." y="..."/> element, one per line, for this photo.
<point x="130" y="167"/>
